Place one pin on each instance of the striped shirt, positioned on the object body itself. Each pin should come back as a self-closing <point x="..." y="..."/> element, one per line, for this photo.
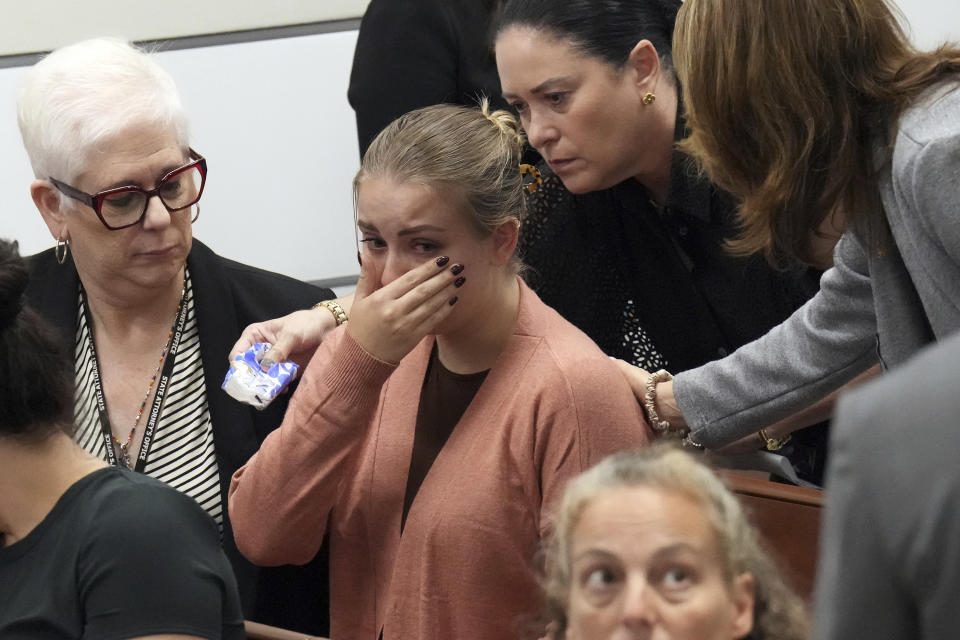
<point x="182" y="453"/>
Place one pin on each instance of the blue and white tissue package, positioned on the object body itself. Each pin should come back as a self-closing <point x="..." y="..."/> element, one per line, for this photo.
<point x="248" y="384"/>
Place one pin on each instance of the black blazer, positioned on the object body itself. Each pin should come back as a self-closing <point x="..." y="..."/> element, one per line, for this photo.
<point x="227" y="297"/>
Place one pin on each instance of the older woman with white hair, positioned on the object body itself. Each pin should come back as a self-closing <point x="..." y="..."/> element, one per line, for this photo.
<point x="148" y="312"/>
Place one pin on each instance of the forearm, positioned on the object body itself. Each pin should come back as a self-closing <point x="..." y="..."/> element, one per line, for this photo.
<point x="821" y="347"/>
<point x="279" y="501"/>
<point x="820" y="411"/>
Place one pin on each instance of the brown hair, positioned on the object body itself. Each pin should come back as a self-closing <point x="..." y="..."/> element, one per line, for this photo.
<point x="778" y="613"/>
<point x="789" y="103"/>
<point x="472" y="152"/>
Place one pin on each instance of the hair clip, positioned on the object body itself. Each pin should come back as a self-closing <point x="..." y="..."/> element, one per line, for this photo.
<point x="535" y="178"/>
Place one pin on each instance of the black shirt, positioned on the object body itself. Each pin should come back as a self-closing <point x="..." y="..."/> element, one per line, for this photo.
<point x="120" y="555"/>
<point x="652" y="285"/>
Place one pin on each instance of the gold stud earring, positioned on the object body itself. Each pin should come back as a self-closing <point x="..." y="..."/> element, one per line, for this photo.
<point x="648" y="98"/>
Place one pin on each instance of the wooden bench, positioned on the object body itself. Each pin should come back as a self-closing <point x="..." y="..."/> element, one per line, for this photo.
<point x="788" y="518"/>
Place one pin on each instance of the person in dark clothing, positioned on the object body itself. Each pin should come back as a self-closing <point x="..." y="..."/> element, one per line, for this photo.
<point x="418" y="53"/>
<point x="624" y="237"/>
<point x="86" y="547"/>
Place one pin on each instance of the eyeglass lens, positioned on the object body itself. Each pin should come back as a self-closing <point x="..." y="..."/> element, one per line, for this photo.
<point x="177" y="191"/>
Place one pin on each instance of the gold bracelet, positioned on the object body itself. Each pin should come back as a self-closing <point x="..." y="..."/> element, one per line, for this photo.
<point x="772" y="444"/>
<point x="339" y="315"/>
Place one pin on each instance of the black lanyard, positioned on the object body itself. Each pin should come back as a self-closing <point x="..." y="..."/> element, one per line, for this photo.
<point x="162" y="386"/>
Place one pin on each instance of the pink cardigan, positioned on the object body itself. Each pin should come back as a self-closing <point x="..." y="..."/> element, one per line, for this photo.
<point x="551" y="406"/>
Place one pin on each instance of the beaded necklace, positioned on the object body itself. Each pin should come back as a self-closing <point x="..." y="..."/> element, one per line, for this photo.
<point x="124" y="447"/>
<point x="118" y="452"/>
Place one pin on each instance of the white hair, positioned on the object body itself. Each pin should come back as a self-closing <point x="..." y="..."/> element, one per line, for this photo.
<point x="83" y="95"/>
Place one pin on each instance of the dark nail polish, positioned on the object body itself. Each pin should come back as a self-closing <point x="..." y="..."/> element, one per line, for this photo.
<point x="359" y="259"/>
<point x="459" y="281"/>
<point x="442" y="260"/>
<point x="456" y="269"/>
<point x="453" y="300"/>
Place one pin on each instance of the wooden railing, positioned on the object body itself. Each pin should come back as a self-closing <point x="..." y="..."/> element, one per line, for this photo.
<point x="788" y="517"/>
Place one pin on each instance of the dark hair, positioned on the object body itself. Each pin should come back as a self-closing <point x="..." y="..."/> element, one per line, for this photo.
<point x="36" y="372"/>
<point x="608" y="29"/>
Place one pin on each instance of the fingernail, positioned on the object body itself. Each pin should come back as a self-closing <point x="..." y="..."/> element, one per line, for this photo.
<point x="359" y="259"/>
<point x="442" y="260"/>
<point x="456" y="269"/>
<point x="266" y="363"/>
<point x="453" y="300"/>
<point x="459" y="281"/>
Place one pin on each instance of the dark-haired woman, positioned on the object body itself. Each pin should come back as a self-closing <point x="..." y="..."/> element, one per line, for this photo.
<point x="827" y="115"/>
<point x="88" y="550"/>
<point x="624" y="238"/>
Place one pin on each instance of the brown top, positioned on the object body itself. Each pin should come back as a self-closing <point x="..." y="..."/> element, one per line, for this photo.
<point x="443" y="399"/>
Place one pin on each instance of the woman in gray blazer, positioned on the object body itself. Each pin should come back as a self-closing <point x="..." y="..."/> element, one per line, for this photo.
<point x="823" y="120"/>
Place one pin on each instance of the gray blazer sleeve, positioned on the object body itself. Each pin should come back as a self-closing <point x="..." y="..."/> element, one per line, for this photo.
<point x="824" y="344"/>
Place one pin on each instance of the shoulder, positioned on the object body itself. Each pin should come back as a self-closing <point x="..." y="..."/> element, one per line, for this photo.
<point x="556" y="220"/>
<point x="383" y="16"/>
<point x="913" y="406"/>
<point x="550" y="193"/>
<point x="131" y="506"/>
<point x="894" y="440"/>
<point x="552" y="196"/>
<point x="927" y="134"/>
<point x="151" y="526"/>
<point x="143" y="537"/>
<point x="275" y="293"/>
<point x="935" y="114"/>
<point x="568" y="363"/>
<point x="42" y="262"/>
<point x="581" y="399"/>
<point x="47" y="275"/>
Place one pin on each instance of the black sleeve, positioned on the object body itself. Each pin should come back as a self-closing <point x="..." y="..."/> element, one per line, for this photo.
<point x="154" y="565"/>
<point x="406" y="57"/>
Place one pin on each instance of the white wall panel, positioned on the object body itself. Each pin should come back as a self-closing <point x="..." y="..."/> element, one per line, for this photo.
<point x="41" y="25"/>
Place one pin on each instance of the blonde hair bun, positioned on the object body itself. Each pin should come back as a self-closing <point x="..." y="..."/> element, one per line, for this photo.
<point x="506" y="123"/>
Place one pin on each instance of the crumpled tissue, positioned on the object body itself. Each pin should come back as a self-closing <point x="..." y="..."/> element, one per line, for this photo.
<point x="246" y="382"/>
